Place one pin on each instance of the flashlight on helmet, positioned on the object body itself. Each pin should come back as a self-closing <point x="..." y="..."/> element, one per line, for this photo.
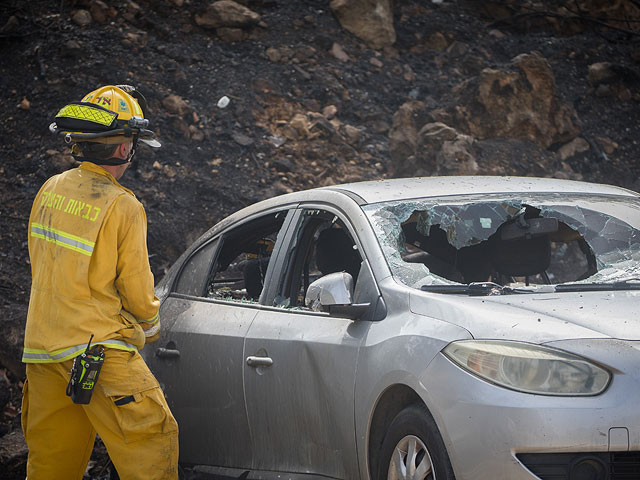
<point x="137" y="122"/>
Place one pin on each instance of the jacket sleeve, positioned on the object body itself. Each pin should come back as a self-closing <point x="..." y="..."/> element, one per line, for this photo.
<point x="134" y="280"/>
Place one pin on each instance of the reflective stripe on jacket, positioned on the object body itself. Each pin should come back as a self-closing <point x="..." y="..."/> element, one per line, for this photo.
<point x="90" y="267"/>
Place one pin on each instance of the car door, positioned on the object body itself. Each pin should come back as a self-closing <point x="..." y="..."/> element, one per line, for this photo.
<point x="301" y="366"/>
<point x="199" y="360"/>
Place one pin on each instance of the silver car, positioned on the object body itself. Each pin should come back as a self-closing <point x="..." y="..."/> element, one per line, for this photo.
<point x="476" y="328"/>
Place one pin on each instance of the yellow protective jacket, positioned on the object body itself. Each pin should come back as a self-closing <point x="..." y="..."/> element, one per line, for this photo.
<point x="90" y="268"/>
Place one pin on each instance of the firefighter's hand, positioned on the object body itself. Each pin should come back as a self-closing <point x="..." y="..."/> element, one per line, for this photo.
<point x="151" y="332"/>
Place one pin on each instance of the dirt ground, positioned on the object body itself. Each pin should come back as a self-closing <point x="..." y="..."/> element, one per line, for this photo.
<point x="216" y="160"/>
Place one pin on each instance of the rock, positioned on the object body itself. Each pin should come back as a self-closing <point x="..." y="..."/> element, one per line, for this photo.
<point x="132" y="11"/>
<point x="378" y="125"/>
<point x="227" y="34"/>
<point x="613" y="79"/>
<point x="196" y="134"/>
<point x="241" y="139"/>
<point x="433" y="135"/>
<point x="603" y="90"/>
<point x="408" y="74"/>
<point x="227" y="13"/>
<point x="321" y="124"/>
<point x="375" y="62"/>
<point x="223" y="102"/>
<point x="442" y="150"/>
<point x="354" y="134"/>
<point x="169" y="171"/>
<point x="575" y="146"/>
<point x="181" y="125"/>
<point x="329" y="111"/>
<point x="24" y="104"/>
<point x="624" y="94"/>
<point x="71" y="49"/>
<point x="283" y="164"/>
<point x="457" y="49"/>
<point x="369" y="20"/>
<point x="456" y="157"/>
<point x="101" y="12"/>
<point x="81" y="17"/>
<point x="600" y="72"/>
<point x="134" y="39"/>
<point x="11" y="25"/>
<point x="300" y="124"/>
<point x="13" y="454"/>
<point x="338" y="52"/>
<point x="304" y="54"/>
<point x="436" y="41"/>
<point x="176" y="105"/>
<point x="273" y="54"/>
<point x="472" y="65"/>
<point x="403" y="135"/>
<point x="518" y="102"/>
<point x="608" y="145"/>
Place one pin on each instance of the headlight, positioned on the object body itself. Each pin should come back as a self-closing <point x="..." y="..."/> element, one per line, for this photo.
<point x="529" y="368"/>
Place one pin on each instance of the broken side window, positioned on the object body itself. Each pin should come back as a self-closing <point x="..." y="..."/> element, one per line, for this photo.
<point x="322" y="245"/>
<point x="243" y="258"/>
<point x="547" y="239"/>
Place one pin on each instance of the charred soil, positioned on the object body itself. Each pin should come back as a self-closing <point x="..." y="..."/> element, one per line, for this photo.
<point x="309" y="104"/>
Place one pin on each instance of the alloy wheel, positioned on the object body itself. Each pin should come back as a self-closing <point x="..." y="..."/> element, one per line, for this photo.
<point x="410" y="461"/>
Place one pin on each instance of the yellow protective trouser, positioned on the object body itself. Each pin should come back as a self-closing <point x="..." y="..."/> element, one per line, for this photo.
<point x="141" y="436"/>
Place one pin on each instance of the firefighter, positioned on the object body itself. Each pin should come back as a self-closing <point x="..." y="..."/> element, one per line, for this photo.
<point x="91" y="282"/>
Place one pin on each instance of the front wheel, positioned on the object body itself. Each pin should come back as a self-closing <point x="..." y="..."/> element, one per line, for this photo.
<point x="413" y="449"/>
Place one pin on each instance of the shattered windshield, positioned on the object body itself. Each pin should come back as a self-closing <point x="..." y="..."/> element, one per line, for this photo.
<point x="545" y="239"/>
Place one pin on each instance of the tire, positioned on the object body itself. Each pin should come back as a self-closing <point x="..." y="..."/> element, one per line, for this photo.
<point x="413" y="430"/>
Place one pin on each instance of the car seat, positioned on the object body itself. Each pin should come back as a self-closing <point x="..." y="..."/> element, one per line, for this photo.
<point x="523" y="257"/>
<point x="253" y="273"/>
<point x="335" y="253"/>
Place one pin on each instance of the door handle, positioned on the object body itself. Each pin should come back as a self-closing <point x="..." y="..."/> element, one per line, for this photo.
<point x="167" y="353"/>
<point x="253" y="361"/>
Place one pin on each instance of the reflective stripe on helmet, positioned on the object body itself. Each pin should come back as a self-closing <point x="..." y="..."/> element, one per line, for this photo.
<point x="88" y="113"/>
<point x="35" y="355"/>
<point x="62" y="239"/>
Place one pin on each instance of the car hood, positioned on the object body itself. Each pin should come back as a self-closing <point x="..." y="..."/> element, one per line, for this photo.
<point x="537" y="318"/>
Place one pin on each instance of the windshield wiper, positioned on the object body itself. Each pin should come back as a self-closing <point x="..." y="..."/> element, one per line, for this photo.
<point x="630" y="284"/>
<point x="472" y="289"/>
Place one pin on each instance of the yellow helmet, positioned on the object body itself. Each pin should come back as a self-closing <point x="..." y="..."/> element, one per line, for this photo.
<point x="111" y="114"/>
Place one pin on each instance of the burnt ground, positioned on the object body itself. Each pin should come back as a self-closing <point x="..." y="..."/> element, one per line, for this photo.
<point x="215" y="161"/>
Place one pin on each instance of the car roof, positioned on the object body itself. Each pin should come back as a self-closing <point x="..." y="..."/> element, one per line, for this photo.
<point x="376" y="191"/>
<point x="405" y="188"/>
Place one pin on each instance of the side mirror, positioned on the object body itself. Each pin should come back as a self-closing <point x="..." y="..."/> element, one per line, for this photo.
<point x="333" y="293"/>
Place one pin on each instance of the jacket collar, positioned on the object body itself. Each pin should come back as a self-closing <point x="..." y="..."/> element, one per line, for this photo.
<point x="92" y="167"/>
